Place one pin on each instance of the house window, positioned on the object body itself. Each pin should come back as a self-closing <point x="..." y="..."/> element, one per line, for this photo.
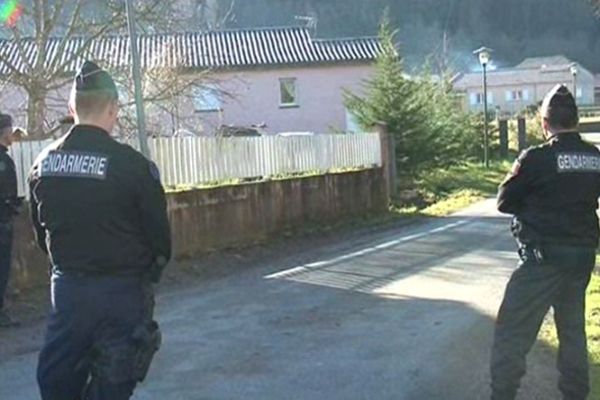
<point x="352" y="125"/>
<point x="517" y="95"/>
<point x="514" y="95"/>
<point x="207" y="99"/>
<point x="477" y="98"/>
<point x="287" y="89"/>
<point x="579" y="93"/>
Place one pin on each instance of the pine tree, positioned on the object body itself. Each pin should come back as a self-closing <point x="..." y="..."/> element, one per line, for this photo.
<point x="389" y="97"/>
<point x="421" y="112"/>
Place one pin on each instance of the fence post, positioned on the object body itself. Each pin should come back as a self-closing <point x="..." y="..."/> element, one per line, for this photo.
<point x="522" y="134"/>
<point x="388" y="159"/>
<point x="503" y="127"/>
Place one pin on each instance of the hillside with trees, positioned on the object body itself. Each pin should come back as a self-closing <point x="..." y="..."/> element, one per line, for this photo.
<point x="446" y="31"/>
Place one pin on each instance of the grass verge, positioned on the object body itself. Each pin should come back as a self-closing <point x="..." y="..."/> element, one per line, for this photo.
<point x="548" y="333"/>
<point x="441" y="192"/>
<point x="593" y="331"/>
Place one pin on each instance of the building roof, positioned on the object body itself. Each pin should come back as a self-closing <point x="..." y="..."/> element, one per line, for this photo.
<point x="532" y="70"/>
<point x="200" y="50"/>
<point x="540" y="62"/>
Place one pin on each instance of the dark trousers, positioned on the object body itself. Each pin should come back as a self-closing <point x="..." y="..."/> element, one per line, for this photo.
<point x="559" y="280"/>
<point x="90" y="316"/>
<point x="6" y="239"/>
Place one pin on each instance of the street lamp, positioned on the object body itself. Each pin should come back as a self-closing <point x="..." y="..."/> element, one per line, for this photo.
<point x="484" y="55"/>
<point x="574" y="72"/>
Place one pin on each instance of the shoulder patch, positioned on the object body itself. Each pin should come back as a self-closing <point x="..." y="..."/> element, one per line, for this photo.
<point x="154" y="171"/>
<point x="577" y="162"/>
<point x="71" y="164"/>
<point x="2" y="166"/>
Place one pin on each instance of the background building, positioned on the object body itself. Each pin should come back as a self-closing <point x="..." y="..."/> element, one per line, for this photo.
<point x="513" y="89"/>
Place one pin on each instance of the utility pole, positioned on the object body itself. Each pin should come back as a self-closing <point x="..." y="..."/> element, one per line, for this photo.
<point x="137" y="79"/>
<point x="484" y="60"/>
<point x="486" y="135"/>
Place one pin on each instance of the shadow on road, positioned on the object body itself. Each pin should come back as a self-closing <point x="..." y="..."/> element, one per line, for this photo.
<point x="295" y="340"/>
<point x="411" y="318"/>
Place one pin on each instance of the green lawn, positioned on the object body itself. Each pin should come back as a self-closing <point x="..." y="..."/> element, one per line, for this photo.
<point x="593" y="331"/>
<point x="443" y="191"/>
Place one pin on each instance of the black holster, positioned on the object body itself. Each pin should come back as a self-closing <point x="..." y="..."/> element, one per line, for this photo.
<point x="147" y="339"/>
<point x="529" y="252"/>
<point x="131" y="360"/>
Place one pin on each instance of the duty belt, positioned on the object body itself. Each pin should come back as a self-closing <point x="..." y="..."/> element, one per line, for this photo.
<point x="530" y="252"/>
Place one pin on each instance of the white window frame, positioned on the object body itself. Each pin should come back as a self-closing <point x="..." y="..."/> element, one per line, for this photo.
<point x="207" y="99"/>
<point x="477" y="99"/>
<point x="282" y="82"/>
<point x="515" y="95"/>
<point x="352" y="125"/>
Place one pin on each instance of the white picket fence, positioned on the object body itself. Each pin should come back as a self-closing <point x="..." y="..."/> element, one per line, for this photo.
<point x="198" y="160"/>
<point x="24" y="155"/>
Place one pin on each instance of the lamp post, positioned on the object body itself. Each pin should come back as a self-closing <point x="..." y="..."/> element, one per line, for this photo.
<point x="484" y="59"/>
<point x="137" y="80"/>
<point x="574" y="72"/>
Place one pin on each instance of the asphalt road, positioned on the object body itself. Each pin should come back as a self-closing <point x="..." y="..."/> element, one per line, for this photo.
<point x="405" y="314"/>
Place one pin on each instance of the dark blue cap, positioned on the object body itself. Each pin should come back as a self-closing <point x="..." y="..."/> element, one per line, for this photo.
<point x="6" y="121"/>
<point x="93" y="78"/>
<point x="559" y="96"/>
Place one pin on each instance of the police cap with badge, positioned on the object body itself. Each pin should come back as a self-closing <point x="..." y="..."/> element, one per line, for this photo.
<point x="6" y="121"/>
<point x="91" y="79"/>
<point x="560" y="99"/>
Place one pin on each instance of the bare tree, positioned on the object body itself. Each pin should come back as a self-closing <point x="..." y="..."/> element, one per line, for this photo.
<point x="73" y="21"/>
<point x="170" y="90"/>
<point x="214" y="14"/>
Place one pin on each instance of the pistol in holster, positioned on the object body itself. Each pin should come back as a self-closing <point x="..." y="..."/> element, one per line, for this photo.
<point x="130" y="360"/>
<point x="147" y="339"/>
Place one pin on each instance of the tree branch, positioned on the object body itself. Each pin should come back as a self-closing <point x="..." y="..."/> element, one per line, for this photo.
<point x="17" y="76"/>
<point x="227" y="15"/>
<point x="52" y="66"/>
<point x="18" y="41"/>
<point x="61" y="69"/>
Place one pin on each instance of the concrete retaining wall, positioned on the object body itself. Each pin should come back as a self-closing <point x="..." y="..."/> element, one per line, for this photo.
<point x="213" y="219"/>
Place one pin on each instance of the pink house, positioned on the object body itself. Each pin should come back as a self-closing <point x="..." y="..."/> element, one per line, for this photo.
<point x="280" y="79"/>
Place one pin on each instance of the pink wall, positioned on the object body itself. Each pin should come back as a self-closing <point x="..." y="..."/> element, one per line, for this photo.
<point x="13" y="100"/>
<point x="251" y="97"/>
<point x="319" y="92"/>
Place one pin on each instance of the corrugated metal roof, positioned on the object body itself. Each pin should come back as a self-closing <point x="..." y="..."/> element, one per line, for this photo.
<point x="201" y="50"/>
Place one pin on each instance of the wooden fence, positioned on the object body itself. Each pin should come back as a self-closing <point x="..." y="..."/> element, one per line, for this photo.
<point x="198" y="160"/>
